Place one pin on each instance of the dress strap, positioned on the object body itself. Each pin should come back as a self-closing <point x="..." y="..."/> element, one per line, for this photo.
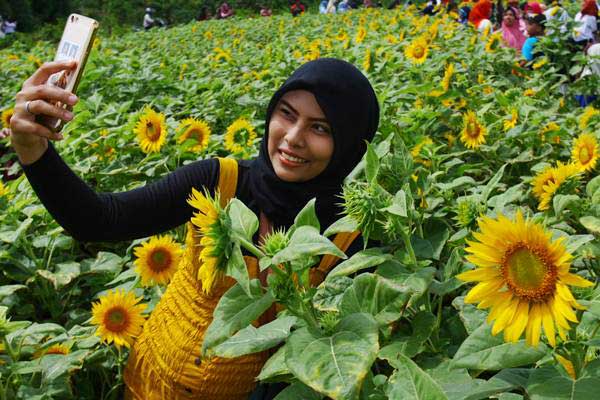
<point x="342" y="240"/>
<point x="228" y="177"/>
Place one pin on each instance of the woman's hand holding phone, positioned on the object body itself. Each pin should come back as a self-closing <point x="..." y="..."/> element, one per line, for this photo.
<point x="35" y="103"/>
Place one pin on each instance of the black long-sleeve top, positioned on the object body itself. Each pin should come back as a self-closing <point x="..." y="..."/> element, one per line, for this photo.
<point x="151" y="209"/>
<point x="142" y="212"/>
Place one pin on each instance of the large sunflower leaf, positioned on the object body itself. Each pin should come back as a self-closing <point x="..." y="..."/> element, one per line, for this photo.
<point x="409" y="382"/>
<point x="243" y="220"/>
<point x="275" y="369"/>
<point x="253" y="340"/>
<point x="378" y="296"/>
<point x="337" y="364"/>
<point x="361" y="260"/>
<point x="235" y="311"/>
<point x="298" y="391"/>
<point x="548" y="383"/>
<point x="306" y="241"/>
<point x="307" y="216"/>
<point x="482" y="351"/>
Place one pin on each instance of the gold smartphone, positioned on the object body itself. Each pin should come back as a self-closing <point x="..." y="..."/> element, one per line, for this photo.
<point x="75" y="44"/>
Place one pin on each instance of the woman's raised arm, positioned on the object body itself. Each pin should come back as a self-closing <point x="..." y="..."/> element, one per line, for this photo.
<point x="85" y="214"/>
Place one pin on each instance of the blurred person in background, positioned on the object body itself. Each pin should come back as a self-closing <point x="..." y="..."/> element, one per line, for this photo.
<point x="511" y="31"/>
<point x="586" y="28"/>
<point x="149" y="20"/>
<point x="558" y="13"/>
<point x="536" y="25"/>
<point x="591" y="71"/>
<point x="224" y="11"/>
<point x="297" y="7"/>
<point x="480" y="16"/>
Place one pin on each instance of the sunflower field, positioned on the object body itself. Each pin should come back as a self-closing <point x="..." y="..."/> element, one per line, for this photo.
<point x="479" y="190"/>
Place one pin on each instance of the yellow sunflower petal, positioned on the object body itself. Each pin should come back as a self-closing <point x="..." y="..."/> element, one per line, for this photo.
<point x="548" y="323"/>
<point x="575" y="280"/>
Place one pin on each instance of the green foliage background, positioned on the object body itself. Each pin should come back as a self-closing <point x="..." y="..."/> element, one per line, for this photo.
<point x="427" y="189"/>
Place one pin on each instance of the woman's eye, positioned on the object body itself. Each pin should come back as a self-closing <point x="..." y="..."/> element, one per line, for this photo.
<point x="321" y="128"/>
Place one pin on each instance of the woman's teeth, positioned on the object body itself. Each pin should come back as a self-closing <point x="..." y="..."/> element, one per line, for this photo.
<point x="292" y="158"/>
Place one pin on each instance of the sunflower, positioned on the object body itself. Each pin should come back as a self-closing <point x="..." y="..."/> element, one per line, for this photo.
<point x="447" y="77"/>
<point x="417" y="50"/>
<point x="367" y="61"/>
<point x="239" y="136"/>
<point x="54" y="349"/>
<point x="118" y="317"/>
<point x="197" y="130"/>
<point x="587" y="115"/>
<point x="550" y="127"/>
<point x="548" y="182"/>
<point x="342" y="36"/>
<point x="512" y="122"/>
<point x="213" y="225"/>
<point x="360" y="35"/>
<point x="540" y="63"/>
<point x="522" y="277"/>
<point x="492" y="43"/>
<point x="417" y="149"/>
<point x="529" y="92"/>
<point x="151" y="131"/>
<point x="585" y="151"/>
<point x="6" y="116"/>
<point x="473" y="133"/>
<point x="157" y="260"/>
<point x="3" y="190"/>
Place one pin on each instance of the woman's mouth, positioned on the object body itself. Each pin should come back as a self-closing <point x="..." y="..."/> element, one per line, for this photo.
<point x="291" y="160"/>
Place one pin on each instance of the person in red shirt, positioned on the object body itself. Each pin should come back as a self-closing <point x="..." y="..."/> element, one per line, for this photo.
<point x="297" y="7"/>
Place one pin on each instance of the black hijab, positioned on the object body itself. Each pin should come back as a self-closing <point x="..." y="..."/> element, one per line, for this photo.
<point x="350" y="106"/>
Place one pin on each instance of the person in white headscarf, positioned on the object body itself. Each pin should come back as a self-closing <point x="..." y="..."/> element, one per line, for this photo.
<point x="591" y="69"/>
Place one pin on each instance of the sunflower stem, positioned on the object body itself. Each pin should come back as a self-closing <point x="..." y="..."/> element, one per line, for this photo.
<point x="409" y="248"/>
<point x="246" y="244"/>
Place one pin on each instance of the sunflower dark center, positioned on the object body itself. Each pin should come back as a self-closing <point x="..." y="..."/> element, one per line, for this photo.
<point x="152" y="131"/>
<point x="473" y="129"/>
<point x="159" y="260"/>
<point x="116" y="319"/>
<point x="528" y="273"/>
<point x="584" y="155"/>
<point x="418" y="51"/>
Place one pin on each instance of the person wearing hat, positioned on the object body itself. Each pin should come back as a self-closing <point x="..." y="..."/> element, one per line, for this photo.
<point x="535" y="25"/>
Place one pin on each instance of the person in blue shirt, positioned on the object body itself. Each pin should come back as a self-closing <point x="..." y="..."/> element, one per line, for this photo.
<point x="535" y="25"/>
<point x="343" y="6"/>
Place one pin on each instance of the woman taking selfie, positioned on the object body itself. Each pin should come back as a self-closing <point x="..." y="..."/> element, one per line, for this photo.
<point x="316" y="127"/>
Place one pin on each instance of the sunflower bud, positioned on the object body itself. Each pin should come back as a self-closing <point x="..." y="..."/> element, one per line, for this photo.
<point x="274" y="242"/>
<point x="466" y="212"/>
<point x="363" y="203"/>
<point x="328" y="321"/>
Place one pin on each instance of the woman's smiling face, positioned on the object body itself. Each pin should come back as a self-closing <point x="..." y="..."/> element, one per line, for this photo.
<point x="300" y="139"/>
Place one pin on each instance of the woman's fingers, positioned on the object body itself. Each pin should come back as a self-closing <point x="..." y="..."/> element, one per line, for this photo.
<point x="32" y="128"/>
<point x="46" y="92"/>
<point x="43" y="73"/>
<point x="40" y="107"/>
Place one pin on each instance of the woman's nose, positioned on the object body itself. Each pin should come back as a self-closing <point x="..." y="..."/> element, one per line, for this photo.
<point x="294" y="135"/>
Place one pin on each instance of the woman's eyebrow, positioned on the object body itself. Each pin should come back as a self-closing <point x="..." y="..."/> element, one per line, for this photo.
<point x="288" y="105"/>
